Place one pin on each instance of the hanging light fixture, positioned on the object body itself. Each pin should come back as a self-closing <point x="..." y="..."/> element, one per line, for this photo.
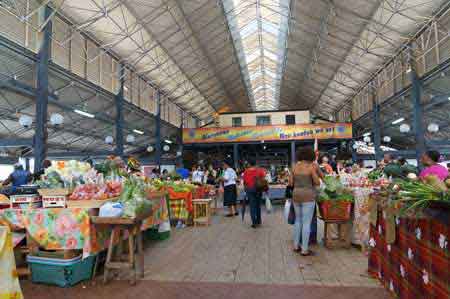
<point x="387" y="139"/>
<point x="166" y="148"/>
<point x="25" y="121"/>
<point x="109" y="139"/>
<point x="130" y="138"/>
<point x="405" y="128"/>
<point x="367" y="139"/>
<point x="150" y="148"/>
<point x="433" y="128"/>
<point x="355" y="146"/>
<point x="56" y="119"/>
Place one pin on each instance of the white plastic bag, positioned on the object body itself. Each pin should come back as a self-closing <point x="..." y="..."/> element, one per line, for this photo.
<point x="287" y="208"/>
<point x="111" y="209"/>
<point x="268" y="204"/>
<point x="164" y="227"/>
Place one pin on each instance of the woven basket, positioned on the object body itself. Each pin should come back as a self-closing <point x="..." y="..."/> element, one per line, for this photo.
<point x="335" y="210"/>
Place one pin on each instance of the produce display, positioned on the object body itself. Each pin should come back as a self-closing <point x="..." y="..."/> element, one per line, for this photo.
<point x="112" y="168"/>
<point x="96" y="192"/>
<point x="176" y="186"/>
<point x="414" y="194"/>
<point x="66" y="174"/>
<point x="335" y="191"/>
<point x="134" y="197"/>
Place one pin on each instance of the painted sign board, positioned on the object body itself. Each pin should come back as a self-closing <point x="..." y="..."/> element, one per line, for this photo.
<point x="268" y="133"/>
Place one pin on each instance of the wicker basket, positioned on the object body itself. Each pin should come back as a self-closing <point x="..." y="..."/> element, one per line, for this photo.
<point x="335" y="210"/>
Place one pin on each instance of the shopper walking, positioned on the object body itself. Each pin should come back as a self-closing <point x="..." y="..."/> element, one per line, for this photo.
<point x="304" y="179"/>
<point x="254" y="178"/>
<point x="229" y="189"/>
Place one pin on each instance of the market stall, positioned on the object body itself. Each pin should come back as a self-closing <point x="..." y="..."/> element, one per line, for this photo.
<point x="409" y="244"/>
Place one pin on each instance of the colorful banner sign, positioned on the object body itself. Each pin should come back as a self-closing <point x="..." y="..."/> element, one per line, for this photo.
<point x="268" y="133"/>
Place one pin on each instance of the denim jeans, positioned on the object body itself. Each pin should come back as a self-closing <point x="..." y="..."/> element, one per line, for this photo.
<point x="303" y="216"/>
<point x="254" y="199"/>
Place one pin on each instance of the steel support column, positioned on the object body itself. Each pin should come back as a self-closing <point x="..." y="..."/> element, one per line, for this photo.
<point x="119" y="115"/>
<point x="416" y="94"/>
<point x="44" y="54"/>
<point x="236" y="155"/>
<point x="376" y="125"/>
<point x="158" y="128"/>
<point x="180" y="141"/>
<point x="293" y="159"/>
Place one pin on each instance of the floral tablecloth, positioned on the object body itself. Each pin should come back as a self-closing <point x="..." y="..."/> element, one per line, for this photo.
<point x="361" y="226"/>
<point x="71" y="228"/>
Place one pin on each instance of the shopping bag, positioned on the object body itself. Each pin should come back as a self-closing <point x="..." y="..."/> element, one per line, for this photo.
<point x="291" y="217"/>
<point x="268" y="204"/>
<point x="287" y="207"/>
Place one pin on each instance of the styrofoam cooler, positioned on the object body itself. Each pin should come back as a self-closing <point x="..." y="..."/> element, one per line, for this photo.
<point x="54" y="201"/>
<point x="60" y="272"/>
<point x="24" y="201"/>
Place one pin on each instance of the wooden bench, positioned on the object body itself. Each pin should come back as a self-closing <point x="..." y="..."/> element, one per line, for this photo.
<point x="202" y="211"/>
<point x="123" y="228"/>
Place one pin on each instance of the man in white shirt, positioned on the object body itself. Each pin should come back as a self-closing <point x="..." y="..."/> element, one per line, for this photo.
<point x="197" y="175"/>
<point x="229" y="189"/>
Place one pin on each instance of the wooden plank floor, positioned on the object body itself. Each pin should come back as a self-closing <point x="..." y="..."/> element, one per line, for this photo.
<point x="231" y="251"/>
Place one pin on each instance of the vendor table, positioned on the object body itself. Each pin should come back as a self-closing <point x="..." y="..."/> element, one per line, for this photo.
<point x="275" y="192"/>
<point x="413" y="261"/>
<point x="71" y="228"/>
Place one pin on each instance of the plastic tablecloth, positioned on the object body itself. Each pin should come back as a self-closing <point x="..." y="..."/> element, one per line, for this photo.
<point x="361" y="226"/>
<point x="71" y="228"/>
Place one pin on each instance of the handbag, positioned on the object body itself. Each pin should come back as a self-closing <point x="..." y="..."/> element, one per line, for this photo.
<point x="288" y="192"/>
<point x="261" y="184"/>
<point x="291" y="217"/>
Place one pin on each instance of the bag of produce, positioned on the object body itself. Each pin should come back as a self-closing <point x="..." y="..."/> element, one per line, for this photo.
<point x="111" y="209"/>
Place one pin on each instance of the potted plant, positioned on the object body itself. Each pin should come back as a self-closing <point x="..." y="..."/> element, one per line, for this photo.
<point x="335" y="201"/>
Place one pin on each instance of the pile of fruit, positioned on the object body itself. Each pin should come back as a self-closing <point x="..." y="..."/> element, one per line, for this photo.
<point x="96" y="192"/>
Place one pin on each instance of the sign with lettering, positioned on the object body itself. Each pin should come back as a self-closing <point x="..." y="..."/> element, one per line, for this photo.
<point x="268" y="133"/>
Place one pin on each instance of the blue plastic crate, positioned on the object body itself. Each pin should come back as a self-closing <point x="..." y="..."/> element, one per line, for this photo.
<point x="60" y="272"/>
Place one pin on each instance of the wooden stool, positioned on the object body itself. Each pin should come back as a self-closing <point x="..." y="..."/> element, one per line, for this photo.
<point x="344" y="234"/>
<point x="202" y="211"/>
<point x="123" y="228"/>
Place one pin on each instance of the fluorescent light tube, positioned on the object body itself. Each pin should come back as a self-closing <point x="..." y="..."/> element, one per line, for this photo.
<point x="138" y="132"/>
<point x="397" y="121"/>
<point x="168" y="141"/>
<point x="84" y="113"/>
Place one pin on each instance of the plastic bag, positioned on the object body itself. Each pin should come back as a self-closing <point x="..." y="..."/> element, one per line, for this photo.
<point x="268" y="204"/>
<point x="111" y="209"/>
<point x="164" y="227"/>
<point x="287" y="207"/>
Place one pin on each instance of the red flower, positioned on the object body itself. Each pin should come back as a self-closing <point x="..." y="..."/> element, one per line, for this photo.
<point x="71" y="243"/>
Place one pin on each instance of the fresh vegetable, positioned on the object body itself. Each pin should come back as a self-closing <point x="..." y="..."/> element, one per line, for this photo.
<point x="375" y="175"/>
<point x="335" y="191"/>
<point x="133" y="197"/>
<point x="416" y="194"/>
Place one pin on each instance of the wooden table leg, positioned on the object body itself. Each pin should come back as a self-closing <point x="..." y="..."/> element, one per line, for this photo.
<point x="141" y="258"/>
<point x="109" y="254"/>
<point x="131" y="256"/>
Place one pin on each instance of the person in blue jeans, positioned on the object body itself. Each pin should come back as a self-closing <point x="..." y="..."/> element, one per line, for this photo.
<point x="251" y="174"/>
<point x="304" y="179"/>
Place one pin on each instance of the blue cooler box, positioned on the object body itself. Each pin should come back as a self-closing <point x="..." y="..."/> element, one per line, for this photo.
<point x="60" y="272"/>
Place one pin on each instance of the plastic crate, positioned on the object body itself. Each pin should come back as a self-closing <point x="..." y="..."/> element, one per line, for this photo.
<point x="60" y="272"/>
